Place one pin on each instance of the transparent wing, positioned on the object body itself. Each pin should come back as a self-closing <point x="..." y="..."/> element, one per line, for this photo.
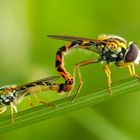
<point x="48" y="79"/>
<point x="72" y="38"/>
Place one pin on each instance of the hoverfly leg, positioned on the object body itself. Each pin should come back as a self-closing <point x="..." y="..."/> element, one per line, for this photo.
<point x="108" y="73"/>
<point x="68" y="94"/>
<point x="134" y="73"/>
<point x="30" y="103"/>
<point x="12" y="113"/>
<point x="131" y="68"/>
<point x="43" y="102"/>
<point x="77" y="68"/>
<point x="3" y="109"/>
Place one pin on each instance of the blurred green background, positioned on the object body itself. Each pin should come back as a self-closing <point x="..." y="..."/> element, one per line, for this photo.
<point x="27" y="54"/>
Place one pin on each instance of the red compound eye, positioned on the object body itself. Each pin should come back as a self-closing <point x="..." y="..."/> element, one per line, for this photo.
<point x="132" y="53"/>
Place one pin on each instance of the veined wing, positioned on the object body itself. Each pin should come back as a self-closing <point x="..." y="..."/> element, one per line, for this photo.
<point x="72" y="38"/>
<point x="48" y="79"/>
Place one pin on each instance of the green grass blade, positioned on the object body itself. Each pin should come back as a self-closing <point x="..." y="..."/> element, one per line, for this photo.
<point x="37" y="114"/>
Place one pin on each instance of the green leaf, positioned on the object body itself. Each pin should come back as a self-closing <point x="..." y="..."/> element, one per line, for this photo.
<point x="40" y="113"/>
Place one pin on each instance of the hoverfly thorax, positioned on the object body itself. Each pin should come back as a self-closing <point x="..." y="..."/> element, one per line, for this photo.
<point x="132" y="53"/>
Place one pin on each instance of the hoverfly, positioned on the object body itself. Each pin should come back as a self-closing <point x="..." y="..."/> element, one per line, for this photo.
<point x="13" y="95"/>
<point x="111" y="48"/>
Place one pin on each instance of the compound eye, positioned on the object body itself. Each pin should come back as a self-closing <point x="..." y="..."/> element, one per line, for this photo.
<point x="132" y="52"/>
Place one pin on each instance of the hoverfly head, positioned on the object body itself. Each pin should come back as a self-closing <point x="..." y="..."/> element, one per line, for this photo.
<point x="132" y="53"/>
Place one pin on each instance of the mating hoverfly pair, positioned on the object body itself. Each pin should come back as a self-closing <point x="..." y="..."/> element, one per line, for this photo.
<point x="110" y="48"/>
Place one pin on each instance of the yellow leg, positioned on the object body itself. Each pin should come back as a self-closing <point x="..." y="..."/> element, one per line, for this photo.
<point x="12" y="113"/>
<point x="37" y="98"/>
<point x="30" y="103"/>
<point x="12" y="108"/>
<point x="3" y="109"/>
<point x="128" y="64"/>
<point x="108" y="73"/>
<point x="131" y="68"/>
<point x="121" y="65"/>
<point x="43" y="102"/>
<point x="134" y="73"/>
<point x="20" y="98"/>
<point x="77" y="68"/>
